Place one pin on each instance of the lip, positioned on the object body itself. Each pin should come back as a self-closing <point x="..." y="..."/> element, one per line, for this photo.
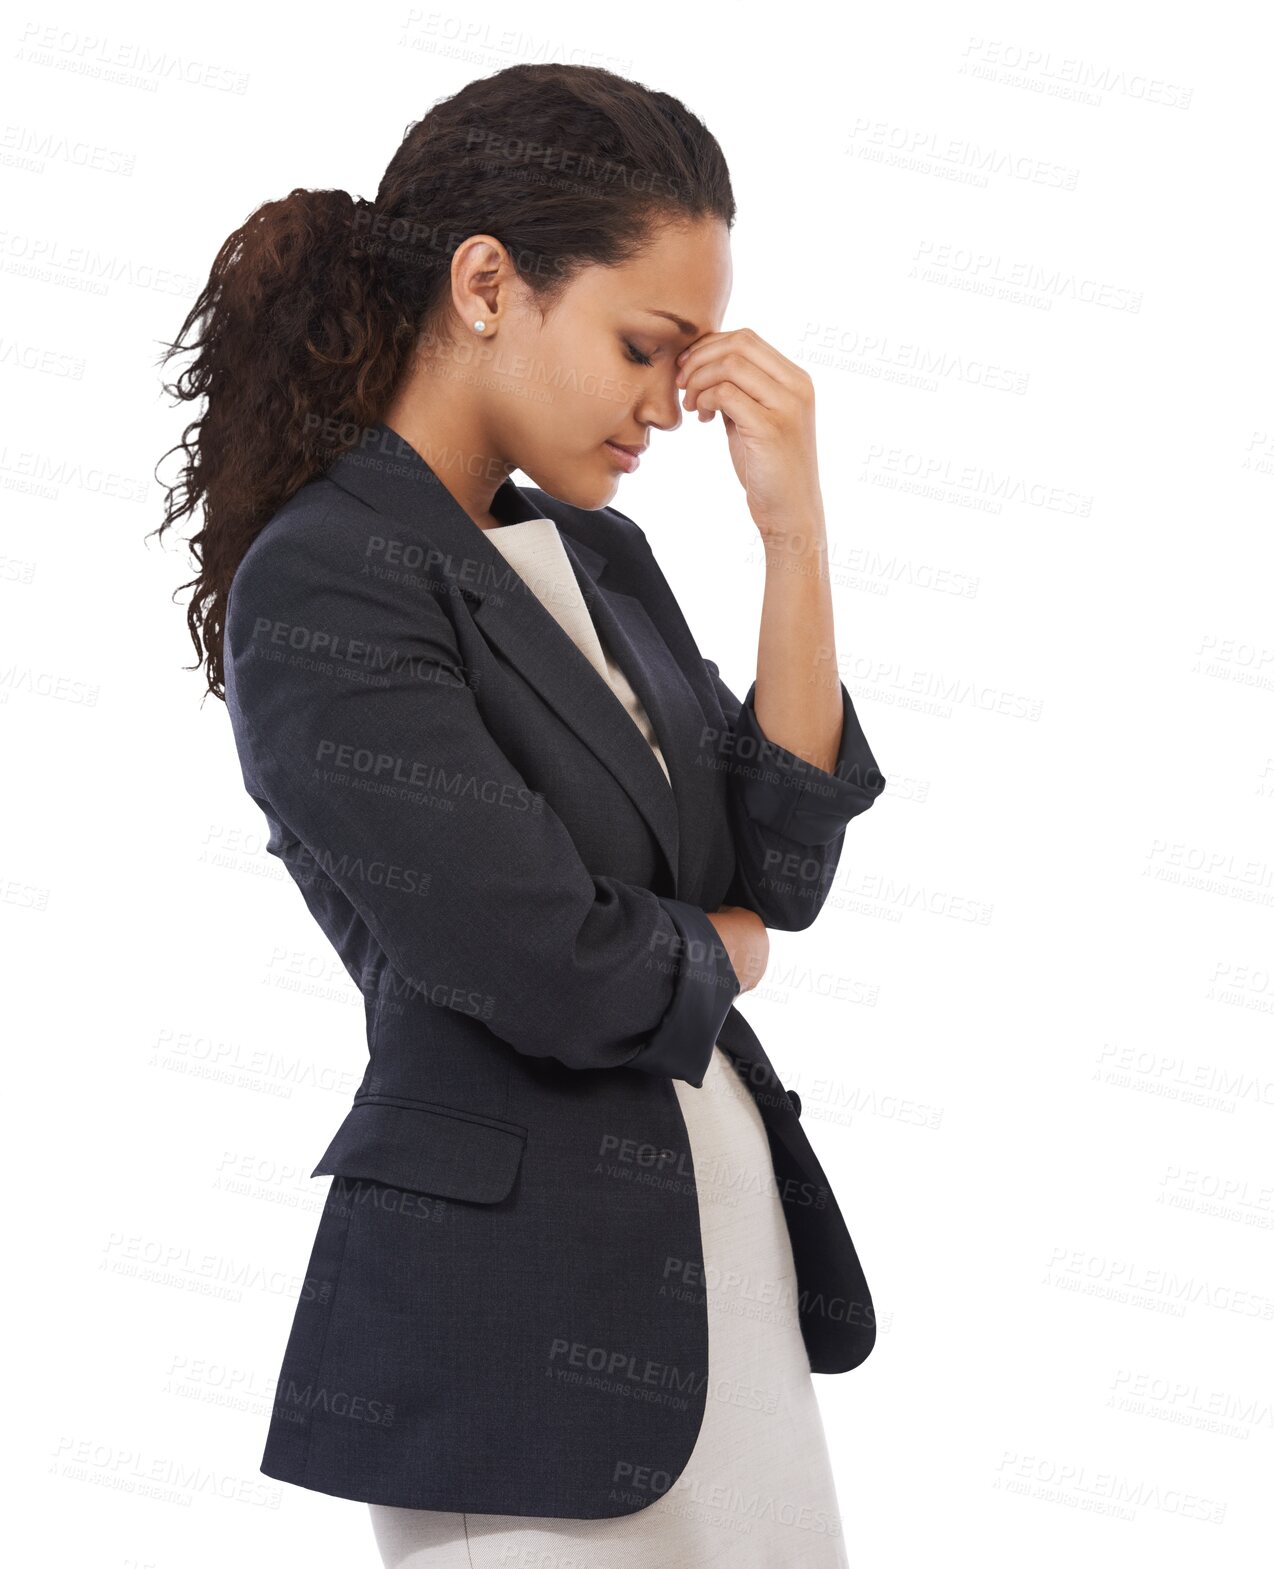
<point x="627" y="457"/>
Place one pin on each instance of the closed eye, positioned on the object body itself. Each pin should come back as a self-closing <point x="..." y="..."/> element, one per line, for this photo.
<point x="635" y="354"/>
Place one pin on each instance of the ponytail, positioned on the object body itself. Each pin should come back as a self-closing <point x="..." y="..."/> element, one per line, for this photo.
<point x="297" y="339"/>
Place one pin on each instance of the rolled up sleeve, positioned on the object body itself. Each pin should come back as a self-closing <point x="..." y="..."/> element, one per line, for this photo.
<point x="789" y="817"/>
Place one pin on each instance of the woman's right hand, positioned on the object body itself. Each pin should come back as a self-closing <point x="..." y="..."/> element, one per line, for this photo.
<point x="746" y="941"/>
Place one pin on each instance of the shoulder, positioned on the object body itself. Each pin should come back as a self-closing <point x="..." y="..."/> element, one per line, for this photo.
<point x="323" y="535"/>
<point x="305" y="533"/>
<point x="323" y="560"/>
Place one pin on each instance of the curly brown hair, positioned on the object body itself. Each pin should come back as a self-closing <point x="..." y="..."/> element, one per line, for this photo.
<point x="313" y="305"/>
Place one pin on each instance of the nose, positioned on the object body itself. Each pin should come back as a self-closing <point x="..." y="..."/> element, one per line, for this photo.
<point x="659" y="404"/>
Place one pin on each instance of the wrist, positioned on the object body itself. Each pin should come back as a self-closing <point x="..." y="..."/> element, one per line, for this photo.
<point x="801" y="531"/>
<point x="803" y="518"/>
<point x="799" y="554"/>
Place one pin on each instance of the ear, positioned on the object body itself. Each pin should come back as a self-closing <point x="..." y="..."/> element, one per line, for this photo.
<point x="481" y="270"/>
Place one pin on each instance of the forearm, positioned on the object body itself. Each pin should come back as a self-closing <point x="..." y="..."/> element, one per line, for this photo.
<point x="797" y="699"/>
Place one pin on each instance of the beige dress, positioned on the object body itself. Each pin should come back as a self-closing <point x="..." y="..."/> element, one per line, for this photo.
<point x="757" y="1492"/>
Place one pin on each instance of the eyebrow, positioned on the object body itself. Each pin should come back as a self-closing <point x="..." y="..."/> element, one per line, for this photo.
<point x="682" y="325"/>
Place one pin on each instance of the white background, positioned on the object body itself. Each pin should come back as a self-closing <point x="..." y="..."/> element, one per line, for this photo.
<point x="1021" y="252"/>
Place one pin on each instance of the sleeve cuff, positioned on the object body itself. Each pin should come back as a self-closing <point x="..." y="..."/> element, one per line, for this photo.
<point x="782" y="792"/>
<point x="681" y="1048"/>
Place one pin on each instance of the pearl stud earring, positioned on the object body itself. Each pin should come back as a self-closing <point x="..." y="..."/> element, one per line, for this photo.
<point x="479" y="326"/>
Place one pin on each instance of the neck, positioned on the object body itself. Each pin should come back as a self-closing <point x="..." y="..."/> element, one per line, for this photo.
<point x="449" y="442"/>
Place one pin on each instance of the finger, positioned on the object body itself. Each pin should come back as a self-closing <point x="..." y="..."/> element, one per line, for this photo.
<point x="734" y="403"/>
<point x="743" y="340"/>
<point x="744" y="373"/>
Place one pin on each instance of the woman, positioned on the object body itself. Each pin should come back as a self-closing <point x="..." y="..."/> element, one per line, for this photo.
<point x="578" y="1259"/>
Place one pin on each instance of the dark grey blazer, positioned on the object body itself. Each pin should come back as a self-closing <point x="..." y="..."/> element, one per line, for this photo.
<point x="504" y="1310"/>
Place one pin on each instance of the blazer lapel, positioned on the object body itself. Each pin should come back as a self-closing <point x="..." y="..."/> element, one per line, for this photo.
<point x="543" y="654"/>
<point x="387" y="473"/>
<point x="637" y="646"/>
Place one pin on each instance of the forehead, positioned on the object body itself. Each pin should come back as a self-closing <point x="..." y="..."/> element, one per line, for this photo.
<point x="684" y="270"/>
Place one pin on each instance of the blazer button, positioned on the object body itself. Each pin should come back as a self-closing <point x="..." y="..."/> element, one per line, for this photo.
<point x="795" y="1100"/>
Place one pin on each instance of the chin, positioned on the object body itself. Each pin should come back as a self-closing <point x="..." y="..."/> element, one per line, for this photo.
<point x="578" y="488"/>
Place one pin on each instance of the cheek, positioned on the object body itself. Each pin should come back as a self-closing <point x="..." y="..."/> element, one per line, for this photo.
<point x="600" y="390"/>
<point x="582" y="397"/>
<point x="589" y="408"/>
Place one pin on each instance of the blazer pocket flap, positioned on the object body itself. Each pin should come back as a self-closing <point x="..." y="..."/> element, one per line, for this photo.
<point x="405" y="1144"/>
